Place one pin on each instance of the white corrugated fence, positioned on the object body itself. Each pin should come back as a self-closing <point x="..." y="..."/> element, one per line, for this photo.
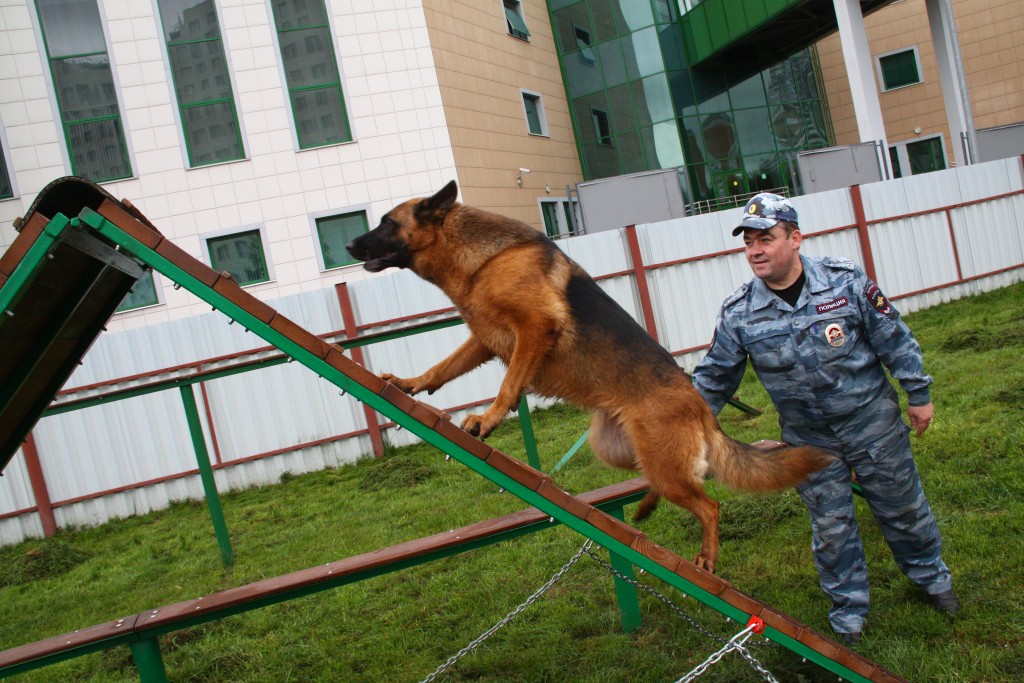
<point x="135" y="455"/>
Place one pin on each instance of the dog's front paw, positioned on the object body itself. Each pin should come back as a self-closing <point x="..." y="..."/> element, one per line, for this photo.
<point x="406" y="385"/>
<point x="706" y="563"/>
<point x="477" y="426"/>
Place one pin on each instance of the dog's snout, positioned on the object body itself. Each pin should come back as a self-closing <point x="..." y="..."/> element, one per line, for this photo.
<point x="353" y="248"/>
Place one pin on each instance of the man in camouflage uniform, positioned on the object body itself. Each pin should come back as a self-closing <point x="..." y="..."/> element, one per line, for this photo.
<point x="818" y="333"/>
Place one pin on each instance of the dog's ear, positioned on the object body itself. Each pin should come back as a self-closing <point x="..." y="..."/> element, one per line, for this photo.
<point x="435" y="208"/>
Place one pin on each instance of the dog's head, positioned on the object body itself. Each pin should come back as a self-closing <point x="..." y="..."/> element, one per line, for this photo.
<point x="407" y="229"/>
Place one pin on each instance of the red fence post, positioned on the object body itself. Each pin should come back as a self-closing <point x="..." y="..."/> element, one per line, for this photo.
<point x="39" y="490"/>
<point x="637" y="260"/>
<point x="352" y="331"/>
<point x="862" y="232"/>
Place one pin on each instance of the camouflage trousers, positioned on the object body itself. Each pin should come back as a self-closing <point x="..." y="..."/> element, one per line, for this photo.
<point x="892" y="489"/>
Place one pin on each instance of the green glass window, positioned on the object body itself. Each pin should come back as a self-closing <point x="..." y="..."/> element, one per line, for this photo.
<point x="241" y="255"/>
<point x="515" y="20"/>
<point x="558" y="219"/>
<point x="143" y="293"/>
<point x="311" y="71"/>
<point x="601" y="126"/>
<point x="199" y="71"/>
<point x="584" y="44"/>
<point x="926" y="156"/>
<point x="334" y="232"/>
<point x="899" y="69"/>
<point x="84" y="85"/>
<point x="6" y="188"/>
<point x="894" y="161"/>
<point x="535" y="122"/>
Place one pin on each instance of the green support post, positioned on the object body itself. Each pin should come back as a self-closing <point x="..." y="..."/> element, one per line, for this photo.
<point x="529" y="441"/>
<point x="629" y="603"/>
<point x="195" y="428"/>
<point x="149" y="662"/>
<point x="572" y="451"/>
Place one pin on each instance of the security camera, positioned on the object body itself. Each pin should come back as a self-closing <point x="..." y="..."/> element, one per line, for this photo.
<point x="524" y="170"/>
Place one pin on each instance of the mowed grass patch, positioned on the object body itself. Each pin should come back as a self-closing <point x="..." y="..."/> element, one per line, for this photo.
<point x="401" y="626"/>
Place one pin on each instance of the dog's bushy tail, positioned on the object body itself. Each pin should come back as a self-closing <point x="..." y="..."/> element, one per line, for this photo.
<point x="743" y="467"/>
<point x="766" y="466"/>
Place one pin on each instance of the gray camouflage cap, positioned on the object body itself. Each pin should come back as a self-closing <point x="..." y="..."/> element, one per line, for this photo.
<point x="765" y="210"/>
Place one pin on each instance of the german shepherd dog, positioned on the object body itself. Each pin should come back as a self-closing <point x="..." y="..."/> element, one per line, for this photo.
<point x="526" y="303"/>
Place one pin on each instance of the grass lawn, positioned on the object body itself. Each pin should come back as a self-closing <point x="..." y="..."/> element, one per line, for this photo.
<point x="401" y="626"/>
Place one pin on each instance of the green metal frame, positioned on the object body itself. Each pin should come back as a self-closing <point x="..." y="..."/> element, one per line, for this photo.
<point x="143" y="644"/>
<point x="148" y="659"/>
<point x="322" y="368"/>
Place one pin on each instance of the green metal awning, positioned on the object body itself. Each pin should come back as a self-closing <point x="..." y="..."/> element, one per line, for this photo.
<point x="762" y="31"/>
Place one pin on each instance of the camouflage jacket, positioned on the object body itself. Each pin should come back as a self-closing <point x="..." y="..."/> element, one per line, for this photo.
<point x="822" y="361"/>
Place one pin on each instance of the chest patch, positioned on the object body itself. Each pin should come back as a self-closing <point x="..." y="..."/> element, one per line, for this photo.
<point x="832" y="305"/>
<point x="835" y="335"/>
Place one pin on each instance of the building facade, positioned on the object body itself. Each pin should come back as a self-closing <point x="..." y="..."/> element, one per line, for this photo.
<point x="907" y="77"/>
<point x="262" y="135"/>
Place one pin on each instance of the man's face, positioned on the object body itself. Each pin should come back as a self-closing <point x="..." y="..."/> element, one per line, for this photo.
<point x="773" y="256"/>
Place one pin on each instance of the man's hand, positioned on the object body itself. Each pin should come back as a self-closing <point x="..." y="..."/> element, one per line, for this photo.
<point x="920" y="417"/>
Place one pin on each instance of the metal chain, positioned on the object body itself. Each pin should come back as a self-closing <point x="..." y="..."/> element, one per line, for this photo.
<point x="736" y="643"/>
<point x="586" y="550"/>
<point x="729" y="645"/>
<point x="511" y="615"/>
<point x="672" y="606"/>
<point x="668" y="603"/>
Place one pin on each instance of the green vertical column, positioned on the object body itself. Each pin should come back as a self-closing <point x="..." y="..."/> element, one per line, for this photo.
<point x="149" y="662"/>
<point x="529" y="440"/>
<point x="195" y="428"/>
<point x="629" y="603"/>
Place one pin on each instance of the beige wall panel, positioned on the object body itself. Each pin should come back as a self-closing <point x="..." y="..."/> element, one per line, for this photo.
<point x="481" y="72"/>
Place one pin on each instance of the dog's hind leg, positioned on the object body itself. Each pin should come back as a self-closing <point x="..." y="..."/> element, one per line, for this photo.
<point x="675" y="464"/>
<point x="648" y="505"/>
<point x="705" y="509"/>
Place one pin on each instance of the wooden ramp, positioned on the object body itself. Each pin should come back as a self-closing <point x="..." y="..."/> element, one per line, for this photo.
<point x="78" y="206"/>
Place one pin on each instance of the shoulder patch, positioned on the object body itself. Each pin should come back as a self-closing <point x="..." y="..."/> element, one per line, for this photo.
<point x="877" y="299"/>
<point x="838" y="262"/>
<point x="737" y="295"/>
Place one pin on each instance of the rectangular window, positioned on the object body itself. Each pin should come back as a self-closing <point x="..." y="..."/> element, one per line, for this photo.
<point x="584" y="44"/>
<point x="515" y="20"/>
<point x="334" y="232"/>
<point x="536" y="122"/>
<point x="6" y="186"/>
<point x="241" y="255"/>
<point x="144" y="293"/>
<point x="899" y="69"/>
<point x="311" y="72"/>
<point x="926" y="156"/>
<point x="196" y="53"/>
<point x="601" y="126"/>
<point x="89" y="111"/>
<point x="561" y="218"/>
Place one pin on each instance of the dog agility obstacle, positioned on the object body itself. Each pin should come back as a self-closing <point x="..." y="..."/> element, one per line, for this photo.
<point x="78" y="253"/>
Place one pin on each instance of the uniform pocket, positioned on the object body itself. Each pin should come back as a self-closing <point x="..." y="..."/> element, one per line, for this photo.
<point x="772" y="351"/>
